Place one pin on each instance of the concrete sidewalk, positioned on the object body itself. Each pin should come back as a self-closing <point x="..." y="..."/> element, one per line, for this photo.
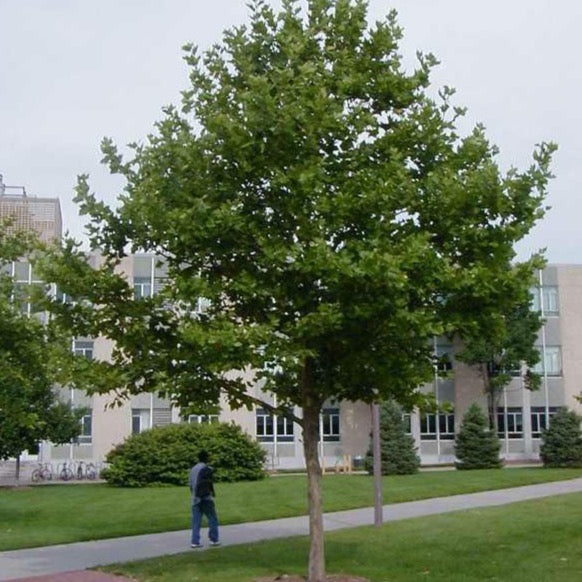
<point x="28" y="563"/>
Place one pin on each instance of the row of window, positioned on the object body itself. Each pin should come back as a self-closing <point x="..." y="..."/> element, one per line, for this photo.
<point x="149" y="272"/>
<point x="510" y="421"/>
<point x="429" y="423"/>
<point x="268" y="426"/>
<point x="552" y="360"/>
<point x="543" y="299"/>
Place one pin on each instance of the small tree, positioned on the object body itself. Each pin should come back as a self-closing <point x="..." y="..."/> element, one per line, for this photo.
<point x="476" y="447"/>
<point x="397" y="447"/>
<point x="562" y="440"/>
<point x="30" y="410"/>
<point x="497" y="348"/>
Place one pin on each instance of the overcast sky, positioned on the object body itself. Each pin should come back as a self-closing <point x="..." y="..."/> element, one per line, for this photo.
<point x="74" y="71"/>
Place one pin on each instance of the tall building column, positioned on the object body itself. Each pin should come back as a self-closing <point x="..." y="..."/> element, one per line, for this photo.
<point x="415" y="427"/>
<point x="526" y="419"/>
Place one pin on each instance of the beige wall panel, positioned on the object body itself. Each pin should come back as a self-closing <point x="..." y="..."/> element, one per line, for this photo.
<point x="469" y="388"/>
<point x="355" y="427"/>
<point x="570" y="298"/>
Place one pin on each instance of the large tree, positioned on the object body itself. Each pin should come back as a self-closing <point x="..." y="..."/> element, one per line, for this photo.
<point x="30" y="409"/>
<point x="324" y="204"/>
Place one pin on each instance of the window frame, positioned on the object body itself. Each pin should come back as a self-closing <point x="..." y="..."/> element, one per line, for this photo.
<point x="428" y="421"/>
<point x="266" y="424"/>
<point x="86" y="435"/>
<point x="202" y="419"/>
<point x="330" y="428"/>
<point x="84" y="348"/>
<point x="538" y="417"/>
<point x="144" y="417"/>
<point x="514" y="416"/>
<point x="545" y="299"/>
<point x="143" y="284"/>
<point x="550" y="362"/>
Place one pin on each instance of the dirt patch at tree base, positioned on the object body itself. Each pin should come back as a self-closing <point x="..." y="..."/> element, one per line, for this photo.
<point x="295" y="578"/>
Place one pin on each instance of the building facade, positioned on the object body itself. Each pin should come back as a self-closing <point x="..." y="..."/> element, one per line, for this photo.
<point x="345" y="426"/>
<point x="30" y="213"/>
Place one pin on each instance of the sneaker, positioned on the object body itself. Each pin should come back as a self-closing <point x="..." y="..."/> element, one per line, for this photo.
<point x="196" y="545"/>
<point x="215" y="543"/>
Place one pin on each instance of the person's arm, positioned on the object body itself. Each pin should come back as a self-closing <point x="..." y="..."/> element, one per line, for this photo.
<point x="212" y="482"/>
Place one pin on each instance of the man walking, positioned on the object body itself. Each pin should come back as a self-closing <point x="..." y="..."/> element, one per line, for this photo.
<point x="202" y="489"/>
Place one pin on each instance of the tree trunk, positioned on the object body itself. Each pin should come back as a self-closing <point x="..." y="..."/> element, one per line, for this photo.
<point x="491" y="412"/>
<point x="17" y="469"/>
<point x="311" y="411"/>
<point x="377" y="456"/>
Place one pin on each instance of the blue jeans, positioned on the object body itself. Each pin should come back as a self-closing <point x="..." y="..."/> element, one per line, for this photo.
<point x="204" y="507"/>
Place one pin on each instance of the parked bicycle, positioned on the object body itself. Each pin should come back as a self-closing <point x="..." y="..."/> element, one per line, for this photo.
<point x="66" y="472"/>
<point x="85" y="471"/>
<point x="44" y="472"/>
<point x="91" y="472"/>
<point x="80" y="470"/>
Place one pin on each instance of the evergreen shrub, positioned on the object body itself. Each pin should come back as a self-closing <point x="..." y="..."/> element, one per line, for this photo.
<point x="165" y="455"/>
<point x="476" y="447"/>
<point x="398" y="452"/>
<point x="562" y="440"/>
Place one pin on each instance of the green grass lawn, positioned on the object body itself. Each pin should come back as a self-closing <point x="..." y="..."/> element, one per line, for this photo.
<point x="532" y="541"/>
<point x="53" y="514"/>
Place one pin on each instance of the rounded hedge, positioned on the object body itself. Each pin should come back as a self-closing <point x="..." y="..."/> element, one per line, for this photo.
<point x="164" y="455"/>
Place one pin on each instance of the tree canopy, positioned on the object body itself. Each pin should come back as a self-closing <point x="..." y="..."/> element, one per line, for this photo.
<point x="324" y="203"/>
<point x="30" y="410"/>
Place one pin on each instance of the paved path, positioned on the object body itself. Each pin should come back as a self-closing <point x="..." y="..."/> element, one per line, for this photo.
<point x="72" y="558"/>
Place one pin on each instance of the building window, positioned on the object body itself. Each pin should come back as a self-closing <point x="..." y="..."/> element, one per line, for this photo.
<point x="330" y="424"/>
<point x="203" y="418"/>
<point x="552" y="360"/>
<point x="514" y="427"/>
<point x="443" y="358"/>
<point x="266" y="423"/>
<point x="142" y="287"/>
<point x="428" y="426"/>
<point x="22" y="272"/>
<point x="85" y="436"/>
<point x="21" y="296"/>
<point x="407" y="422"/>
<point x="202" y="305"/>
<point x="549" y="296"/>
<point x="538" y="419"/>
<point x="83" y="348"/>
<point x="140" y="420"/>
